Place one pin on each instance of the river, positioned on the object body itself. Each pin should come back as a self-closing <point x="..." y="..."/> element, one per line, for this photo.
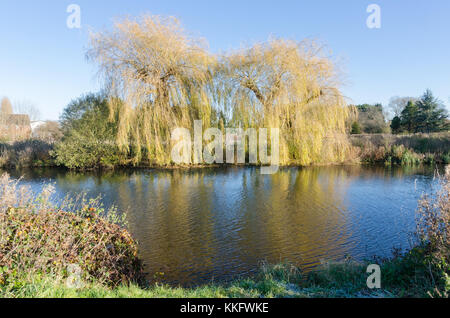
<point x="200" y="225"/>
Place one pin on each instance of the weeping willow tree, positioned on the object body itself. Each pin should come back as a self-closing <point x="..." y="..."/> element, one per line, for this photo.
<point x="157" y="78"/>
<point x="291" y="86"/>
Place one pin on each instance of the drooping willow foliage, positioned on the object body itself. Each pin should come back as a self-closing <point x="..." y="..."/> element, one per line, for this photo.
<point x="156" y="76"/>
<point x="159" y="77"/>
<point x="291" y="86"/>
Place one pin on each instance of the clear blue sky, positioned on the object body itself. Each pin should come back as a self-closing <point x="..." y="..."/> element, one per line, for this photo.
<point x="43" y="61"/>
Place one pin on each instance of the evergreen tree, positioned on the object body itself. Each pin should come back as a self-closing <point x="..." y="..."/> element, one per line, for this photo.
<point x="396" y="126"/>
<point x="409" y="117"/>
<point x="431" y="115"/>
<point x="356" y="129"/>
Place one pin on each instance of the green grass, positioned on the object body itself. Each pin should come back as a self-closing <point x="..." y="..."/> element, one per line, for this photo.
<point x="274" y="281"/>
<point x="405" y="276"/>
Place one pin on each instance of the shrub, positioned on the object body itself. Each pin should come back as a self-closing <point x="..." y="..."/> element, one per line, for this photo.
<point x="371" y="119"/>
<point x="410" y="158"/>
<point x="356" y="129"/>
<point x="40" y="238"/>
<point x="446" y="158"/>
<point x="77" y="151"/>
<point x="89" y="135"/>
<point x="28" y="153"/>
<point x="434" y="222"/>
<point x="411" y="275"/>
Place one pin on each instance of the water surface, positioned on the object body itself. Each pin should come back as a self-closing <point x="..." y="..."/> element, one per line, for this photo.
<point x="215" y="224"/>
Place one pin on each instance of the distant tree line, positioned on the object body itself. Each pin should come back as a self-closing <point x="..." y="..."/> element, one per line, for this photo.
<point x="411" y="115"/>
<point x="371" y="120"/>
<point x="425" y="115"/>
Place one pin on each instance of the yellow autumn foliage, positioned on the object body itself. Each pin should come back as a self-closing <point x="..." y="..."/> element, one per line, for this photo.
<point x="160" y="77"/>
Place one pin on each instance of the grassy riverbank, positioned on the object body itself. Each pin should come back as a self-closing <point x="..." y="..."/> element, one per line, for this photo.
<point x="412" y="149"/>
<point x="406" y="276"/>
